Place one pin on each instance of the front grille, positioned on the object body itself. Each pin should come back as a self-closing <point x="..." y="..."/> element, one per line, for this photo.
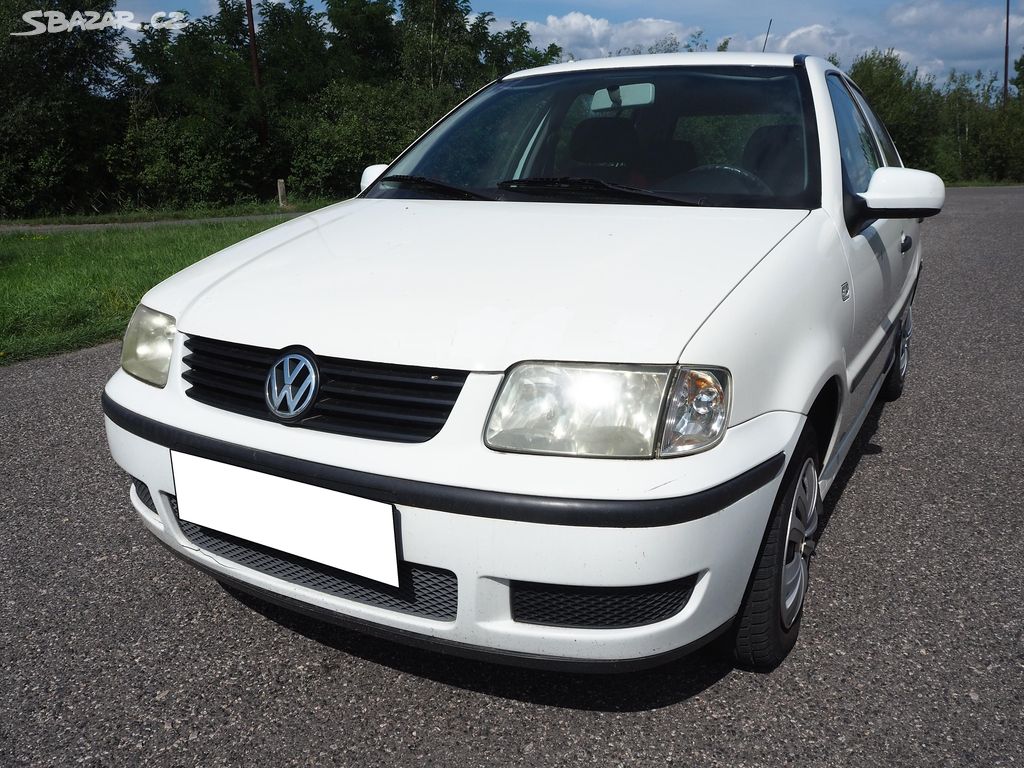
<point x="404" y="404"/>
<point x="558" y="605"/>
<point x="422" y="591"/>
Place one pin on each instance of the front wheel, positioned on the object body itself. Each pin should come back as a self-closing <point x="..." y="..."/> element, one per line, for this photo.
<point x="769" y="619"/>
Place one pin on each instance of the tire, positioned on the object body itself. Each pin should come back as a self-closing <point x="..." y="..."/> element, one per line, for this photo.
<point x="768" y="624"/>
<point x="897" y="377"/>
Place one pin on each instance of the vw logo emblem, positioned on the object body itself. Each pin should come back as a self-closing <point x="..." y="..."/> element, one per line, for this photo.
<point x="291" y="386"/>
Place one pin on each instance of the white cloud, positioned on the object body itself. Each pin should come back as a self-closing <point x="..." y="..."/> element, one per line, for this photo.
<point x="585" y="37"/>
<point x="932" y="35"/>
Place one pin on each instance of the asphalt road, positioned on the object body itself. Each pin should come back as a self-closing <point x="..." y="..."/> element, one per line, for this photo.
<point x="911" y="653"/>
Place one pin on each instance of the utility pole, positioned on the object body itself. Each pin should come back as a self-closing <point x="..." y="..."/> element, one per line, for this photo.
<point x="1006" y="59"/>
<point x="254" y="56"/>
<point x="254" y="60"/>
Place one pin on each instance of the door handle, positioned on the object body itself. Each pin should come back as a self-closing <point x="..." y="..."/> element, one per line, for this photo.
<point x="906" y="243"/>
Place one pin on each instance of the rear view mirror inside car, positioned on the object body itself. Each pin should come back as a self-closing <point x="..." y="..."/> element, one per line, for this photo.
<point x="619" y="96"/>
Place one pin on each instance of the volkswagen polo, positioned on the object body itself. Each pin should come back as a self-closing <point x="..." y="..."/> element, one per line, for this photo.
<point x="566" y="382"/>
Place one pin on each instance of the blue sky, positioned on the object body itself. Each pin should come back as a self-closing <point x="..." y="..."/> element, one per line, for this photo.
<point x="934" y="35"/>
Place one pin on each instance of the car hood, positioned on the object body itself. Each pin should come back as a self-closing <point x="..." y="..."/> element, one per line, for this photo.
<point x="477" y="285"/>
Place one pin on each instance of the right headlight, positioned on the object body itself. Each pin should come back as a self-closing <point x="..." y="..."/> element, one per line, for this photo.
<point x="609" y="411"/>
<point x="148" y="342"/>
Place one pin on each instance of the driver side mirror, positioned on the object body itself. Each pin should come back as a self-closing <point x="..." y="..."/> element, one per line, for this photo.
<point x="903" y="193"/>
<point x="370" y="175"/>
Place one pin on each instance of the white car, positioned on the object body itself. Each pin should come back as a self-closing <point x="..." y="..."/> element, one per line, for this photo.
<point x="565" y="384"/>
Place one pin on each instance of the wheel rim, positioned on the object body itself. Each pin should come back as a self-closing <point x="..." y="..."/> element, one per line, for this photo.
<point x="803" y="524"/>
<point x="908" y="329"/>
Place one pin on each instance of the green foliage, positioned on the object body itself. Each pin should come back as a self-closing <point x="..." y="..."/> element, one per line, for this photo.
<point x="56" y="112"/>
<point x="960" y="129"/>
<point x="352" y="125"/>
<point x="193" y="130"/>
<point x="365" y="44"/>
<point x="293" y="44"/>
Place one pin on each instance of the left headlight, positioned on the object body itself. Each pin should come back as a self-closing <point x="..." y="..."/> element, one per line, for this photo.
<point x="146" y="353"/>
<point x="609" y="411"/>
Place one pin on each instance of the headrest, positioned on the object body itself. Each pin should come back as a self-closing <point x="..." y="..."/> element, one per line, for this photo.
<point x="604" y="141"/>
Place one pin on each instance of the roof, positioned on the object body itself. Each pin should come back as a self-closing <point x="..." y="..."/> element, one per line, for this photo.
<point x="727" y="59"/>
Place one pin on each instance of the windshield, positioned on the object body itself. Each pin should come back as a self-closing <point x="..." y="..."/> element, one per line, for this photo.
<point x="725" y="136"/>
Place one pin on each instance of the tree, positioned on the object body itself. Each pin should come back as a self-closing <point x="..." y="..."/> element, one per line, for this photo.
<point x="195" y="117"/>
<point x="697" y="42"/>
<point x="435" y="38"/>
<point x="352" y="125"/>
<point x="58" y="110"/>
<point x="295" y="59"/>
<point x="511" y="50"/>
<point x="1018" y="81"/>
<point x="365" y="41"/>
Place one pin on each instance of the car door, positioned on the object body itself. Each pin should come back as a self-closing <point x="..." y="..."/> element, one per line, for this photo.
<point x="905" y="268"/>
<point x="872" y="251"/>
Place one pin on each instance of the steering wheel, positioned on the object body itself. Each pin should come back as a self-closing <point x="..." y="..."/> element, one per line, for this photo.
<point x="751" y="182"/>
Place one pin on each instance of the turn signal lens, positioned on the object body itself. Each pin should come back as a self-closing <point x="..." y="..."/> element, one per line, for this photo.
<point x="698" y="412"/>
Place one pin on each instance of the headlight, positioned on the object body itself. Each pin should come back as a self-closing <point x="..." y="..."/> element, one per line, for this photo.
<point x="605" y="410"/>
<point x="146" y="353"/>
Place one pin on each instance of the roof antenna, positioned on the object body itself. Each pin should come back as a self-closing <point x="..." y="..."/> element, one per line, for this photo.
<point x="765" y="46"/>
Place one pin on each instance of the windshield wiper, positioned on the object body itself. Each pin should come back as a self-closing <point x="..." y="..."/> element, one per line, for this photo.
<point x="575" y="186"/>
<point x="425" y="182"/>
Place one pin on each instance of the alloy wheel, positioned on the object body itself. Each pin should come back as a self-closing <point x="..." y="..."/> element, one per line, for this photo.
<point x="803" y="524"/>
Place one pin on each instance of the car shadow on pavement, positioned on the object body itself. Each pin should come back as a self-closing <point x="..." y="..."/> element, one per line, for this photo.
<point x="862" y="446"/>
<point x="611" y="692"/>
<point x="628" y="692"/>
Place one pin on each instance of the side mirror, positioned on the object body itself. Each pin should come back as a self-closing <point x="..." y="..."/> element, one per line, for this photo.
<point x="902" y="193"/>
<point x="370" y="175"/>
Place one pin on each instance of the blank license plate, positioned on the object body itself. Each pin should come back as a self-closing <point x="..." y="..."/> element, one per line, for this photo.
<point x="342" y="531"/>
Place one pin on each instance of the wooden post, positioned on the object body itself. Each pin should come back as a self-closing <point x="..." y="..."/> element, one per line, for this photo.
<point x="282" y="198"/>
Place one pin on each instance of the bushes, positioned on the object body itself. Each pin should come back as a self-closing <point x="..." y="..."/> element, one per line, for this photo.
<point x="352" y="125"/>
<point x="960" y="130"/>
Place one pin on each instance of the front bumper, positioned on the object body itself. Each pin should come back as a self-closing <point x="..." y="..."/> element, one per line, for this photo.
<point x="491" y="539"/>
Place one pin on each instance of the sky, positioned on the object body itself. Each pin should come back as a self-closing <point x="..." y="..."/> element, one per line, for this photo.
<point x="933" y="35"/>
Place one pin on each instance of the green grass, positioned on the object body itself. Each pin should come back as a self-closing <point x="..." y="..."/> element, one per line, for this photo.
<point x="174" y="214"/>
<point x="70" y="290"/>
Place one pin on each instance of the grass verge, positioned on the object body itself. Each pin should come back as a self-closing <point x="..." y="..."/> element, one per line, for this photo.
<point x="70" y="290"/>
<point x="175" y="214"/>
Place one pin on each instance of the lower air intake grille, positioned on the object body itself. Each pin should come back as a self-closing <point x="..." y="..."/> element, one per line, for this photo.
<point x="423" y="591"/>
<point x="142" y="491"/>
<point x="599" y="607"/>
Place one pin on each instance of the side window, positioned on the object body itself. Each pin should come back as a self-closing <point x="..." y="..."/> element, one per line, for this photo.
<point x="856" y="144"/>
<point x="892" y="157"/>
